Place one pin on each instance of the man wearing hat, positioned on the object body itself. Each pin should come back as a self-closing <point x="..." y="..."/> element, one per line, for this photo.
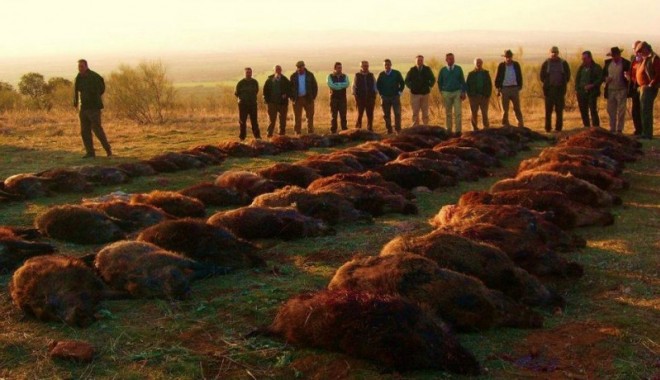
<point x="509" y="82"/>
<point x="648" y="78"/>
<point x="555" y="74"/>
<point x="304" y="90"/>
<point x="635" y="63"/>
<point x="615" y="76"/>
<point x="587" y="89"/>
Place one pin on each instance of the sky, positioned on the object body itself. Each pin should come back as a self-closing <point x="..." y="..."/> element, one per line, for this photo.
<point x="38" y="28"/>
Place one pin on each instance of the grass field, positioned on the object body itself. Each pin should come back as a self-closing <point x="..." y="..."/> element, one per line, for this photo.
<point x="609" y="329"/>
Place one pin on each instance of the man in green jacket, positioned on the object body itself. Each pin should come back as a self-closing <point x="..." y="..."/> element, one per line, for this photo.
<point x="555" y="74"/>
<point x="88" y="89"/>
<point x="451" y="83"/>
<point x="587" y="88"/>
<point x="276" y="95"/>
<point x="390" y="85"/>
<point x="479" y="90"/>
<point x="420" y="80"/>
<point x="246" y="92"/>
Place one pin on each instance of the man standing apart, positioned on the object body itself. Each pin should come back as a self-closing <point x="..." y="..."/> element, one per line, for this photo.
<point x="304" y="91"/>
<point x="390" y="85"/>
<point x="509" y="82"/>
<point x="246" y="92"/>
<point x="479" y="90"/>
<point x="276" y="95"/>
<point x="587" y="88"/>
<point x="555" y="75"/>
<point x="636" y="62"/>
<point x="91" y="87"/>
<point x="615" y="76"/>
<point x="451" y="82"/>
<point x="420" y="80"/>
<point x="648" y="78"/>
<point x="364" y="90"/>
<point x="338" y="83"/>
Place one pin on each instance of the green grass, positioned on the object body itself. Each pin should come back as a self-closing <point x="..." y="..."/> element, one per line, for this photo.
<point x="202" y="337"/>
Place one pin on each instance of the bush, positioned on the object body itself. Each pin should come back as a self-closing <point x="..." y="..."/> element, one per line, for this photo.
<point x="34" y="86"/>
<point x="9" y="98"/>
<point x="143" y="94"/>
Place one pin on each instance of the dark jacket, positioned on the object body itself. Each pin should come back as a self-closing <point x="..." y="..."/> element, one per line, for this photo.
<point x="626" y="68"/>
<point x="420" y="82"/>
<point x="545" y="75"/>
<point x="310" y="84"/>
<point x="390" y="85"/>
<point x="471" y="83"/>
<point x="247" y="90"/>
<point x="272" y="96"/>
<point x="501" y="70"/>
<point x="364" y="86"/>
<point x="90" y="86"/>
<point x="595" y="78"/>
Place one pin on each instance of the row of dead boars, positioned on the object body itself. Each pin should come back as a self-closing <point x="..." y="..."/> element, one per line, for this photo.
<point x="481" y="267"/>
<point x="83" y="179"/>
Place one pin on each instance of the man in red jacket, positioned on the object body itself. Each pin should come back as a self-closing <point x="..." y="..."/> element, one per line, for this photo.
<point x="648" y="79"/>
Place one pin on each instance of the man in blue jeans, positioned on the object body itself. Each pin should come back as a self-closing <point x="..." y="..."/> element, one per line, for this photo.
<point x="390" y="85"/>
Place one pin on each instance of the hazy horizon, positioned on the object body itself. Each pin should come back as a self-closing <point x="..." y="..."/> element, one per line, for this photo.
<point x="205" y="40"/>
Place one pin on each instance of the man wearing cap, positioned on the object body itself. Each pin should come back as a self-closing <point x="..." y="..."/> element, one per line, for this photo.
<point x="364" y="90"/>
<point x="303" y="92"/>
<point x="587" y="88"/>
<point x="420" y="80"/>
<point x="648" y="78"/>
<point x="390" y="85"/>
<point x="509" y="82"/>
<point x="555" y="74"/>
<point x="246" y="92"/>
<point x="451" y="83"/>
<point x="338" y="83"/>
<point x="615" y="76"/>
<point x="633" y="92"/>
<point x="276" y="95"/>
<point x="479" y="90"/>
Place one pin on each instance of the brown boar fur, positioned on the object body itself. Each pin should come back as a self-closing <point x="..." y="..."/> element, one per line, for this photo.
<point x="264" y="148"/>
<point x="291" y="174"/>
<point x="162" y="165"/>
<point x="78" y="224"/>
<point x="211" y="150"/>
<point x="461" y="300"/>
<point x="426" y="163"/>
<point x="495" y="146"/>
<point x="602" y="178"/>
<point x="288" y="143"/>
<point x="365" y="178"/>
<point x="563" y="212"/>
<point x="183" y="160"/>
<point x="388" y="150"/>
<point x="103" y="175"/>
<point x="212" y="195"/>
<point x="472" y="155"/>
<point x="556" y="154"/>
<point x="137" y="169"/>
<point x="575" y="189"/>
<point x="312" y="140"/>
<point x="463" y="169"/>
<point x="144" y="270"/>
<point x="202" y="242"/>
<point x="388" y="330"/>
<point x="173" y="203"/>
<point x="511" y="217"/>
<point x="360" y="135"/>
<point x="426" y="130"/>
<point x="409" y="176"/>
<point x="525" y="248"/>
<point x="368" y="157"/>
<point x="27" y="186"/>
<point x="420" y="141"/>
<point x="483" y="261"/>
<point x="57" y="288"/>
<point x="66" y="181"/>
<point x="329" y="207"/>
<point x="14" y="250"/>
<point x="237" y="149"/>
<point x="326" y="167"/>
<point x="345" y="158"/>
<point x="136" y="216"/>
<point x="246" y="182"/>
<point x="610" y="148"/>
<point x="374" y="199"/>
<point x="256" y="222"/>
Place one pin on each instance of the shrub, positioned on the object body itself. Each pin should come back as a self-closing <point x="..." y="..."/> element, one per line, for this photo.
<point x="143" y="94"/>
